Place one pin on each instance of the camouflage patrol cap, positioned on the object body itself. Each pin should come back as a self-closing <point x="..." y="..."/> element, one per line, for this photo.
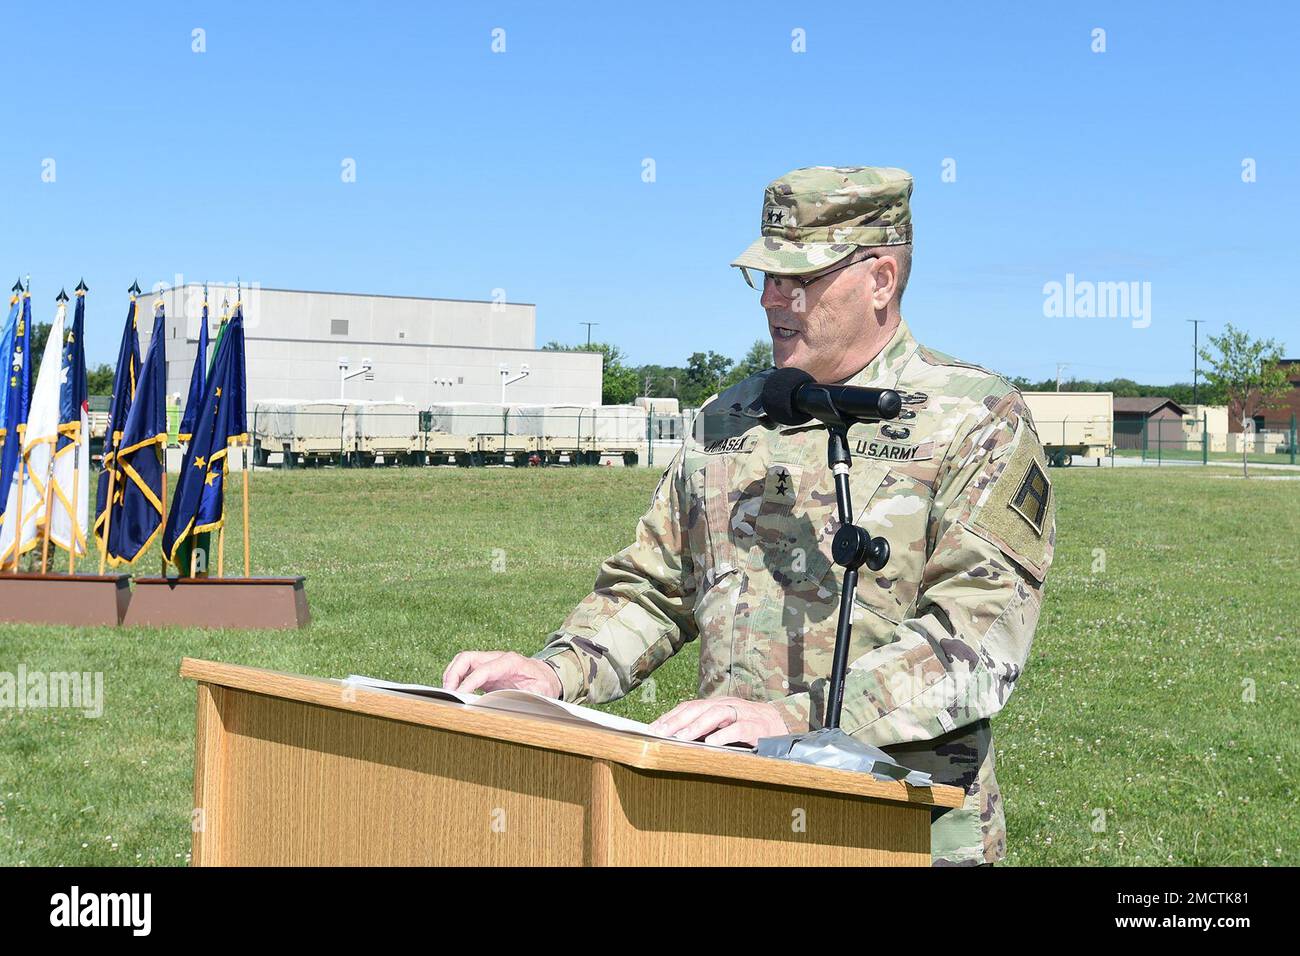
<point x="814" y="217"/>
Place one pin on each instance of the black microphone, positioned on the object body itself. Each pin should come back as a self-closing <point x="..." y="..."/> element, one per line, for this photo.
<point x="792" y="397"/>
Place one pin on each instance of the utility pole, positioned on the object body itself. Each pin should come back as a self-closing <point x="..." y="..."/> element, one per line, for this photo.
<point x="1196" y="355"/>
<point x="589" y="325"/>
<point x="1060" y="367"/>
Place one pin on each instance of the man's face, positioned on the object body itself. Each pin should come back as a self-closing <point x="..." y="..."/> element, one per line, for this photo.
<point x="815" y="324"/>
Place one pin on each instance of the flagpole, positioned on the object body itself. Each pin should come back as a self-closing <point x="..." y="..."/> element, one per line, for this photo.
<point x="49" y="505"/>
<point x="108" y="513"/>
<point x="247" y="565"/>
<point x="221" y="551"/>
<point x="163" y="557"/>
<point x="74" y="513"/>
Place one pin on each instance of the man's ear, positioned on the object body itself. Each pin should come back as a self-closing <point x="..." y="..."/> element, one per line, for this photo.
<point x="885" y="271"/>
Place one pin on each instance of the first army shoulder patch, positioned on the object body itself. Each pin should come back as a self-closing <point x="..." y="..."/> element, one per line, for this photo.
<point x="1018" y="513"/>
<point x="1030" y="500"/>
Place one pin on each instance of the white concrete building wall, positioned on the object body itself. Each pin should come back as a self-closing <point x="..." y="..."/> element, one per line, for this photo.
<point x="421" y="350"/>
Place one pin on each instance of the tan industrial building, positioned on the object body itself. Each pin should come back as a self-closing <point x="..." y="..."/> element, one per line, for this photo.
<point x="1211" y="420"/>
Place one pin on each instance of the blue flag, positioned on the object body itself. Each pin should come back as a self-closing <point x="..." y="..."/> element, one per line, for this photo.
<point x="198" y="378"/>
<point x="70" y="478"/>
<point x="136" y="512"/>
<point x="74" y="395"/>
<point x="124" y="378"/>
<point x="199" y="504"/>
<point x="18" y="396"/>
<point x="7" y="332"/>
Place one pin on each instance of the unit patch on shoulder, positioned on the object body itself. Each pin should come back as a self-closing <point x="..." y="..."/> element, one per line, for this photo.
<point x="1017" y="511"/>
<point x="1030" y="499"/>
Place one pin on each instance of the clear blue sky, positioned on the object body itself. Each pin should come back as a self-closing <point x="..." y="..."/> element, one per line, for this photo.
<point x="523" y="170"/>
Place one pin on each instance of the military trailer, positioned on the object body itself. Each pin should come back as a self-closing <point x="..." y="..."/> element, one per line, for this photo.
<point x="507" y="449"/>
<point x="480" y="433"/>
<point x="1073" y="423"/>
<point x="441" y="448"/>
<point x="303" y="432"/>
<point x="471" y="434"/>
<point x="583" y="434"/>
<point x="390" y="430"/>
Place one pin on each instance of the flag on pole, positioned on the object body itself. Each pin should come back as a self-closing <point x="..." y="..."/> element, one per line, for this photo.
<point x="136" y="511"/>
<point x="7" y="332"/>
<point x="198" y="377"/>
<point x="199" y="504"/>
<point x="128" y="367"/>
<point x="29" y="483"/>
<point x="71" y="482"/>
<point x="18" y="393"/>
<point x="182" y="558"/>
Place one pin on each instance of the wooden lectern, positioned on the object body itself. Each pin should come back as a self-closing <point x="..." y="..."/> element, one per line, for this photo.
<point x="295" y="770"/>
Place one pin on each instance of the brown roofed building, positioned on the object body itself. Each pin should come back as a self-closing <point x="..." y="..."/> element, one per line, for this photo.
<point x="1159" y="418"/>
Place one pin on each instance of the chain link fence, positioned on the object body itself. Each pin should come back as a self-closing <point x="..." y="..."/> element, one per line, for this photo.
<point x="364" y="435"/>
<point x="1190" y="440"/>
<point x="368" y="434"/>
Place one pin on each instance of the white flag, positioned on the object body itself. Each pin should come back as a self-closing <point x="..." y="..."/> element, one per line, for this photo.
<point x="38" y="443"/>
<point x="71" y="477"/>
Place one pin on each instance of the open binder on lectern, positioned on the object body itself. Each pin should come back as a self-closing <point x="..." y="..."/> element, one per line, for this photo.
<point x="533" y="705"/>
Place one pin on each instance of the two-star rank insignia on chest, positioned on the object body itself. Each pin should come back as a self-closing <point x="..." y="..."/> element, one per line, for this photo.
<point x="781" y="484"/>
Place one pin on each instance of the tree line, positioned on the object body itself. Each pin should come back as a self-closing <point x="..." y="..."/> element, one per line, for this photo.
<point x="704" y="374"/>
<point x="99" y="378"/>
<point x="1180" y="392"/>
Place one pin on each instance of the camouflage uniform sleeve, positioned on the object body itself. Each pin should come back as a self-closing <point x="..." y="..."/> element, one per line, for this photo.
<point x="956" y="660"/>
<point x="640" y="612"/>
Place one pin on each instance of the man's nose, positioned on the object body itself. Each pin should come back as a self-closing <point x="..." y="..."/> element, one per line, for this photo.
<point x="772" y="297"/>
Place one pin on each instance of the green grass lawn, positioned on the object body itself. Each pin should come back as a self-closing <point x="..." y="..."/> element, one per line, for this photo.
<point x="1156" y="722"/>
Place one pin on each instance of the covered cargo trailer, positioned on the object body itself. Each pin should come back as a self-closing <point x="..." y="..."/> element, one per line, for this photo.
<point x="1073" y="423"/>
<point x="390" y="429"/>
<point x="583" y="433"/>
<point x="304" y="432"/>
<point x="471" y="418"/>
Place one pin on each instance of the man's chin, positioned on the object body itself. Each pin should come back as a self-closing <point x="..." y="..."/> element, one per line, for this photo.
<point x="787" y="352"/>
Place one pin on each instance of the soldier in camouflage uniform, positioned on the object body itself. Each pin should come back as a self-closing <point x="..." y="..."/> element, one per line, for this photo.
<point x="735" y="548"/>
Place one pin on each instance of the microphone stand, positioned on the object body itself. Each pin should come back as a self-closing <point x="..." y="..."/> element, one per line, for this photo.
<point x="851" y="548"/>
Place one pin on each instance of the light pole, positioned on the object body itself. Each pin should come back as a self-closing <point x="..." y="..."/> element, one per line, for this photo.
<point x="589" y="325"/>
<point x="1196" y="363"/>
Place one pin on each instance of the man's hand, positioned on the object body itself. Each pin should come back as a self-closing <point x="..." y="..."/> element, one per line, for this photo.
<point x="722" y="720"/>
<point x="500" y="670"/>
